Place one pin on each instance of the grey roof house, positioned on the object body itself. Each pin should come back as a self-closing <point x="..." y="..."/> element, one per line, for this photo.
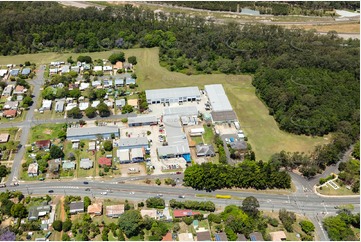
<point x="38" y="211"/>
<point x="86" y="164"/>
<point x="120" y="103"/>
<point x="59" y="106"/>
<point x="76" y="207"/>
<point x="69" y="165"/>
<point x="205" y="150"/>
<point x="25" y="71"/>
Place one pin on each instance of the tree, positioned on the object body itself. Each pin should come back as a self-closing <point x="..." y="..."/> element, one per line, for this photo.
<point x="7" y="235"/>
<point x="3" y="171"/>
<point x="86" y="59"/>
<point x="74" y="113"/>
<point x="48" y="93"/>
<point x="19" y="211"/>
<point x="307" y="226"/>
<point x="250" y="206"/>
<point x="67" y="225"/>
<point x="58" y="225"/>
<point x="65" y="237"/>
<point x="287" y="219"/>
<point x="103" y="110"/>
<point x="113" y="58"/>
<point x="90" y="112"/>
<point x="155" y="202"/>
<point x="87" y="202"/>
<point x="100" y="93"/>
<point x="70" y="60"/>
<point x="56" y="152"/>
<point x="127" y="109"/>
<point x="108" y="145"/>
<point x="132" y="60"/>
<point x="28" y="101"/>
<point x="75" y="93"/>
<point x="130" y="222"/>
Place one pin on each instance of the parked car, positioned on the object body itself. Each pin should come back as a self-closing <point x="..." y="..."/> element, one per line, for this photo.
<point x="51" y="191"/>
<point x="88" y="189"/>
<point x="103" y="193"/>
<point x="181" y="196"/>
<point x="85" y="182"/>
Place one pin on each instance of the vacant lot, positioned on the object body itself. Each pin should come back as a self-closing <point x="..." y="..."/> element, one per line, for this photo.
<point x="45" y="131"/>
<point x="262" y="130"/>
<point x="340" y="28"/>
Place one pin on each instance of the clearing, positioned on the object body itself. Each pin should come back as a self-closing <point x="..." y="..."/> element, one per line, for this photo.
<point x="45" y="131"/>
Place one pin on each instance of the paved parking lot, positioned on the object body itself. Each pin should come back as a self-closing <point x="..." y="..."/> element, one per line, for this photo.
<point x="133" y="169"/>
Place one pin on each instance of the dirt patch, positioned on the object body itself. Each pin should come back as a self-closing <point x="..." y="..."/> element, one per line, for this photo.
<point x="6" y="223"/>
<point x="133" y="170"/>
<point x="48" y="131"/>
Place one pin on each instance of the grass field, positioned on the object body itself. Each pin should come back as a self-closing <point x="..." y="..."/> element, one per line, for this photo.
<point x="340" y="28"/>
<point x="45" y="131"/>
<point x="262" y="130"/>
<point x="342" y="191"/>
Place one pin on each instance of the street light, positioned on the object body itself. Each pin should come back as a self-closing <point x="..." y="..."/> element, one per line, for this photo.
<point x="27" y="188"/>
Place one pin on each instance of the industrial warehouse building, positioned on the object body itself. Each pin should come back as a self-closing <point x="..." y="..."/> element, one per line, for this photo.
<point x="176" y="138"/>
<point x="142" y="120"/>
<point x="173" y="95"/>
<point x="92" y="132"/>
<point x="222" y="110"/>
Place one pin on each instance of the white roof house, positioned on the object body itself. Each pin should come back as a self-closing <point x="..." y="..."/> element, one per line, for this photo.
<point x="109" y="103"/>
<point x="108" y="83"/>
<point x="70" y="106"/>
<point x="65" y="69"/>
<point x="95" y="103"/>
<point x="3" y="72"/>
<point x="53" y="71"/>
<point x="84" y="86"/>
<point x="123" y="156"/>
<point x="8" y="90"/>
<point x="86" y="163"/>
<point x="120" y="103"/>
<point x="33" y="169"/>
<point x="46" y="104"/>
<point x="98" y="68"/>
<point x="107" y="68"/>
<point x="218" y="98"/>
<point x="96" y="83"/>
<point x="173" y="95"/>
<point x="83" y="106"/>
<point x="59" y="106"/>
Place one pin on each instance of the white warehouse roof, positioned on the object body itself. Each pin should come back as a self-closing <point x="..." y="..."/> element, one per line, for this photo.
<point x="172" y="93"/>
<point x="181" y="111"/>
<point x="218" y="98"/>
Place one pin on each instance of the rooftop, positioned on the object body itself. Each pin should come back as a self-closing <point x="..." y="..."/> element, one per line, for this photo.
<point x="95" y="208"/>
<point x="84" y="131"/>
<point x="132" y="141"/>
<point x="114" y="210"/>
<point x="142" y="119"/>
<point x="181" y="110"/>
<point x="218" y="98"/>
<point x="172" y="92"/>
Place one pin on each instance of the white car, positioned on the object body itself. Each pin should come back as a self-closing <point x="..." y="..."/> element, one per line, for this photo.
<point x="103" y="193"/>
<point x="131" y="193"/>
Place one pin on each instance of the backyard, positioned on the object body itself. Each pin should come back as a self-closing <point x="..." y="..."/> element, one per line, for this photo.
<point x="46" y="131"/>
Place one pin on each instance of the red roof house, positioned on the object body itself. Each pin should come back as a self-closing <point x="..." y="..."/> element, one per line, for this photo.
<point x="10" y="113"/>
<point x="179" y="213"/>
<point x="43" y="144"/>
<point x="167" y="237"/>
<point x="103" y="161"/>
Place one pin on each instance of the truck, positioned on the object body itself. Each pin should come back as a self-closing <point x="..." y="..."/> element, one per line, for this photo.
<point x="223" y="196"/>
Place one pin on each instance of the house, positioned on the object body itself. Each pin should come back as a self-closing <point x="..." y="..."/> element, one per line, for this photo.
<point x="53" y="71"/>
<point x="65" y="69"/>
<point x="167" y="237"/>
<point x="98" y="68"/>
<point x="103" y="161"/>
<point x="95" y="103"/>
<point x="185" y="237"/>
<point x="14" y="72"/>
<point x="10" y="113"/>
<point x="96" y="83"/>
<point x="54" y="165"/>
<point x="241" y="237"/>
<point x="59" y="106"/>
<point x="142" y="120"/>
<point x="107" y="83"/>
<point x="92" y="146"/>
<point x="75" y="69"/>
<point x="205" y="150"/>
<point x="84" y="86"/>
<point x="13" y="105"/>
<point x="120" y="103"/>
<point x="151" y="213"/>
<point x="256" y="236"/>
<point x="278" y="236"/>
<point x="137" y="154"/>
<point x="109" y="103"/>
<point x="43" y="144"/>
<point x="4" y="137"/>
<point x="204" y="236"/>
<point x="107" y="68"/>
<point x="70" y="106"/>
<point x="91" y="132"/>
<point x="180" y="213"/>
<point x="221" y="237"/>
<point x="114" y="211"/>
<point x="129" y="81"/>
<point x="123" y="156"/>
<point x="95" y="208"/>
<point x="46" y="104"/>
<point x="118" y="65"/>
<point x="3" y="72"/>
<point x="86" y="163"/>
<point x="239" y="145"/>
<point x="83" y="106"/>
<point x="25" y="71"/>
<point x="119" y="82"/>
<point x="173" y="95"/>
<point x="33" y="169"/>
<point x="133" y="103"/>
<point x="38" y="211"/>
<point x="196" y="132"/>
<point x="76" y="207"/>
<point x="131" y="143"/>
<point x="127" y="66"/>
<point x="69" y="165"/>
<point x="8" y="90"/>
<point x="19" y="90"/>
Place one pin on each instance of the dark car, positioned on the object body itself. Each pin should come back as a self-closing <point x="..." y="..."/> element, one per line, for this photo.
<point x="178" y="172"/>
<point x="85" y="182"/>
<point x="51" y="191"/>
<point x="88" y="189"/>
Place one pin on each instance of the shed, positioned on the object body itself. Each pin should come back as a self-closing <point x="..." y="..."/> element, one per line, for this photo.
<point x="142" y="120"/>
<point x="4" y="137"/>
<point x="114" y="211"/>
<point x="76" y="207"/>
<point x="278" y="236"/>
<point x="86" y="163"/>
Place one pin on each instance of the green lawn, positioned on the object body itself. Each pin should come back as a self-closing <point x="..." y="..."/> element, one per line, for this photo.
<point x="342" y="191"/>
<point x="208" y="135"/>
<point x="45" y="131"/>
<point x="197" y="139"/>
<point x="262" y="130"/>
<point x="12" y="132"/>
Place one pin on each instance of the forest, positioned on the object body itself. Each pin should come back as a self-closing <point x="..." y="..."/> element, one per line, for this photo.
<point x="310" y="82"/>
<point x="318" y="8"/>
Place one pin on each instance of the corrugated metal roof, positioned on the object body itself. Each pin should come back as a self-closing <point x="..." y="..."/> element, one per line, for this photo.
<point x="218" y="98"/>
<point x="74" y="132"/>
<point x="142" y="119"/>
<point x="172" y="92"/>
<point x="181" y="110"/>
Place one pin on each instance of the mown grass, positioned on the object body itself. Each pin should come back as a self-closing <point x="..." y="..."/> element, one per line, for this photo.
<point x="342" y="191"/>
<point x="45" y="131"/>
<point x="262" y="130"/>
